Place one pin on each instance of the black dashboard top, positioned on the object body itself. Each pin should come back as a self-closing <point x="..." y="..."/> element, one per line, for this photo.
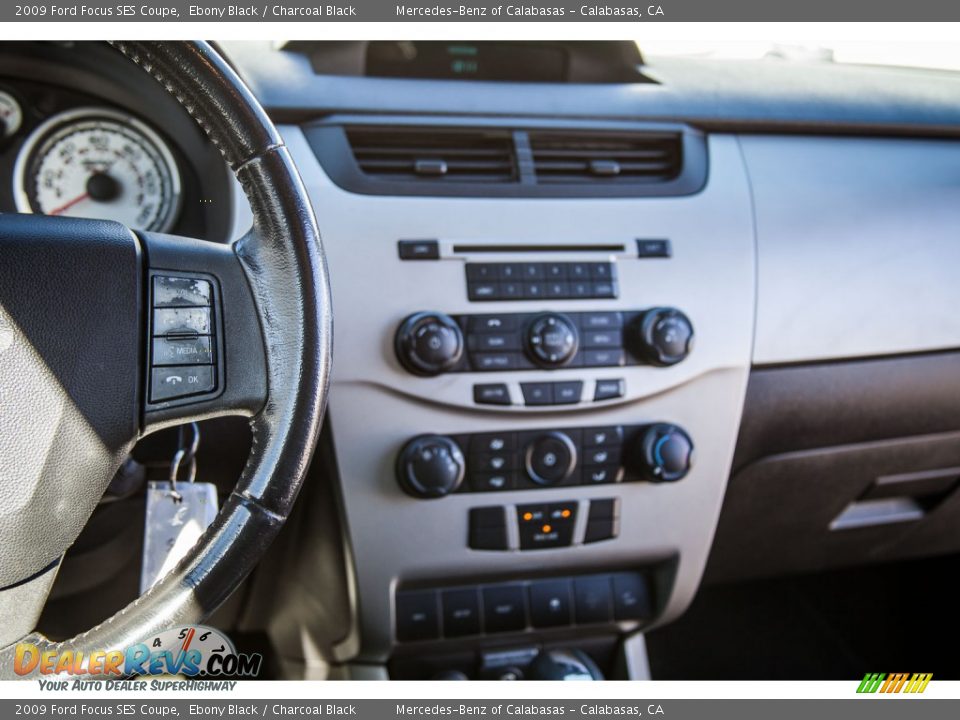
<point x="767" y="95"/>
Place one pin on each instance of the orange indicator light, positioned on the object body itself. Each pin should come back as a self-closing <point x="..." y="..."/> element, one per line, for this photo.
<point x="547" y="528"/>
<point x="528" y="516"/>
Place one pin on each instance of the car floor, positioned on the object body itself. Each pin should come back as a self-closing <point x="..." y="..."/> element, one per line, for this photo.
<point x="838" y="625"/>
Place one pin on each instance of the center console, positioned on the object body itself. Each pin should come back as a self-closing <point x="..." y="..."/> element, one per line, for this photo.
<point x="534" y="408"/>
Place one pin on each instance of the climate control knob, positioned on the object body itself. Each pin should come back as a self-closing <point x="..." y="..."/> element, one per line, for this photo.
<point x="552" y="340"/>
<point x="665" y="453"/>
<point x="550" y="458"/>
<point x="664" y="336"/>
<point x="429" y="343"/>
<point x="430" y="466"/>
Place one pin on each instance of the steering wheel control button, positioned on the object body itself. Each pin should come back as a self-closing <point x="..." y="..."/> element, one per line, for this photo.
<point x="491" y="394"/>
<point x="183" y="350"/>
<point x="665" y="453"/>
<point x="181" y="292"/>
<point x="603" y="520"/>
<point x="552" y="340"/>
<point x="167" y="383"/>
<point x="429" y="343"/>
<point x="182" y="321"/>
<point x="488" y="528"/>
<point x="631" y="597"/>
<point x="418" y="249"/>
<point x="504" y="608"/>
<point x="461" y="612"/>
<point x="593" y="599"/>
<point x="551" y="603"/>
<point x="417" y="615"/>
<point x="664" y="337"/>
<point x="546" y="526"/>
<point x="430" y="466"/>
<point x="550" y="458"/>
<point x="609" y="389"/>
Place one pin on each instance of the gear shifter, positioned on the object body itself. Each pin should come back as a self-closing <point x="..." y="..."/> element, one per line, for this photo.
<point x="564" y="664"/>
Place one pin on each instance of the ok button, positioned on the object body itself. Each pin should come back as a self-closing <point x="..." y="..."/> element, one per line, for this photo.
<point x="550" y="458"/>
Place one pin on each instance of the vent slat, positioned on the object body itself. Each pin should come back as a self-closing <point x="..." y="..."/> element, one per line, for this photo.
<point x="599" y="158"/>
<point x="432" y="154"/>
<point x="427" y="152"/>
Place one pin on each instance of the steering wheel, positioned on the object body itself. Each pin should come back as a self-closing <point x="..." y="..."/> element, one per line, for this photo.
<point x="81" y="305"/>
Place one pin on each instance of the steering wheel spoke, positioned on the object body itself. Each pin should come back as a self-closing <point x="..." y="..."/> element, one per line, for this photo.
<point x="88" y="369"/>
<point x="204" y="353"/>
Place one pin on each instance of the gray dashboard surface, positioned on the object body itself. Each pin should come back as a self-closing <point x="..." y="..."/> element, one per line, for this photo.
<point x="857" y="246"/>
<point x="714" y="94"/>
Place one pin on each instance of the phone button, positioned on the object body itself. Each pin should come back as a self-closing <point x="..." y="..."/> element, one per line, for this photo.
<point x="167" y="383"/>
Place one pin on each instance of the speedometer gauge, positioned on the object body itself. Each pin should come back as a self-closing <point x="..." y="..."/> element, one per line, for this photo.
<point x="98" y="163"/>
<point x="10" y="115"/>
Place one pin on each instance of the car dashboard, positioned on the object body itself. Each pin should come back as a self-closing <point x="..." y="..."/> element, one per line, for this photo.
<point x="608" y="329"/>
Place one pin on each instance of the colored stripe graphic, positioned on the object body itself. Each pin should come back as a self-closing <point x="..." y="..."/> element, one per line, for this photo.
<point x="871" y="682"/>
<point x="894" y="683"/>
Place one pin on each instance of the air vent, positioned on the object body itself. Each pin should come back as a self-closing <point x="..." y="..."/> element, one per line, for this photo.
<point x="606" y="158"/>
<point x="434" y="155"/>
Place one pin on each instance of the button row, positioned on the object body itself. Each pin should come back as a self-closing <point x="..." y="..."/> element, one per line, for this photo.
<point x="183" y="360"/>
<point x="513" y="321"/>
<point x="503" y="342"/>
<point x="534" y="281"/>
<point x="548" y="393"/>
<point x="505" y="361"/>
<point x="515" y="607"/>
<point x="543" y="525"/>
<point x="542" y="458"/>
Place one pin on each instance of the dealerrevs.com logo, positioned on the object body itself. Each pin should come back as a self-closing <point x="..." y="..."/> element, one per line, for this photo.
<point x="894" y="683"/>
<point x="189" y="650"/>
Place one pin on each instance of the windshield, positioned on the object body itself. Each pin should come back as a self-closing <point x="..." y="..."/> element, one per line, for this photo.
<point x="799" y="47"/>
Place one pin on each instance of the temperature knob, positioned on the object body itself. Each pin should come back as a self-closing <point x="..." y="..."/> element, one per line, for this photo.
<point x="665" y="453"/>
<point x="430" y="466"/>
<point x="664" y="336"/>
<point x="429" y="343"/>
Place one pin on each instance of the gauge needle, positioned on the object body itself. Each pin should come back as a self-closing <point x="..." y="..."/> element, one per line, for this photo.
<point x="68" y="205"/>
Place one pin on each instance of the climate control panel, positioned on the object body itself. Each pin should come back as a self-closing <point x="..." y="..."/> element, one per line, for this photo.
<point x="432" y="343"/>
<point x="432" y="466"/>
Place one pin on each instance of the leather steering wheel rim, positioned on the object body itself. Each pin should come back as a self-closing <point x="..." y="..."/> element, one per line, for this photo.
<point x="283" y="261"/>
